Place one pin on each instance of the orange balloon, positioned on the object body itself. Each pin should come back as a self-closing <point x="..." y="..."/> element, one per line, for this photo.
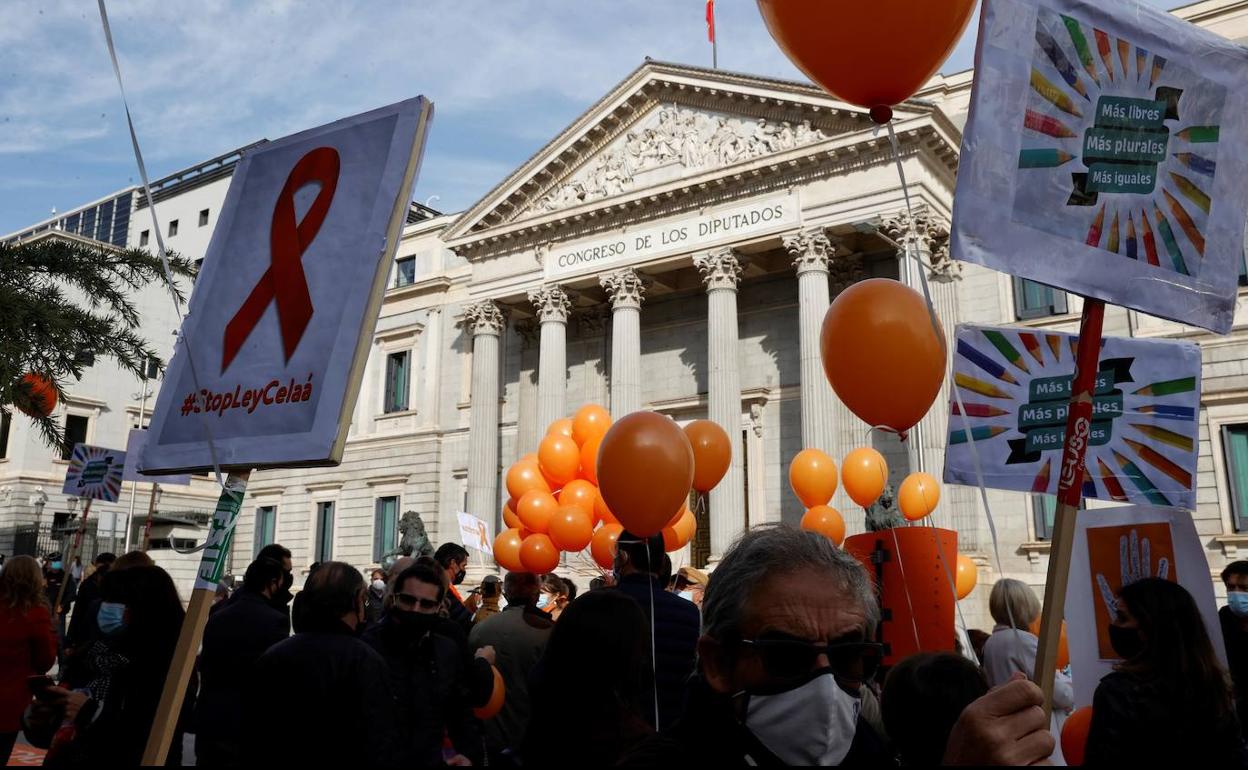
<point x="904" y="41"/>
<point x="524" y="477"/>
<point x="1063" y="646"/>
<point x="712" y="453"/>
<point x="559" y="458"/>
<point x="918" y="496"/>
<point x="531" y="457"/>
<point x="536" y="509"/>
<point x="579" y="493"/>
<point x="645" y="470"/>
<point x="497" y="696"/>
<point x="677" y="534"/>
<point x="589" y="459"/>
<point x="880" y="352"/>
<point x="538" y="554"/>
<point x="509" y="516"/>
<point x="601" y="512"/>
<point x="590" y="421"/>
<point x="35" y="395"/>
<point x="812" y="474"/>
<point x="602" y="545"/>
<point x="865" y="473"/>
<point x="507" y="550"/>
<point x="560" y="427"/>
<point x="966" y="576"/>
<point x="1075" y="735"/>
<point x="571" y="528"/>
<point x="825" y="520"/>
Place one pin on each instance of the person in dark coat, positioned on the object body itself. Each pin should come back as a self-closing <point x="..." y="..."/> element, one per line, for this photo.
<point x="234" y="639"/>
<point x="82" y="622"/>
<point x="427" y="673"/>
<point x="677" y="624"/>
<point x="453" y="559"/>
<point x="376" y="596"/>
<point x="1168" y="703"/>
<point x="335" y="706"/>
<point x="54" y="575"/>
<point x="1234" y="621"/>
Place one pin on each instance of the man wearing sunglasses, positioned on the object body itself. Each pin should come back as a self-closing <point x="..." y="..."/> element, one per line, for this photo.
<point x="787" y="621"/>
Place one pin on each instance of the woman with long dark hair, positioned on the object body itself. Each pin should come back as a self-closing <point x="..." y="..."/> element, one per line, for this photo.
<point x="1168" y="703"/>
<point x="27" y="643"/>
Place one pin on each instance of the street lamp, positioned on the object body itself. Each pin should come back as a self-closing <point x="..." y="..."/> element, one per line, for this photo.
<point x="38" y="499"/>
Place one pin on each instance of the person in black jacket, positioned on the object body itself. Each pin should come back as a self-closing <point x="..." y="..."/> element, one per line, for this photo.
<point x="322" y="698"/>
<point x="234" y="639"/>
<point x="453" y="559"/>
<point x="1234" y="621"/>
<point x="1168" y="703"/>
<point x="82" y="622"/>
<point x="427" y="673"/>
<point x="676" y="624"/>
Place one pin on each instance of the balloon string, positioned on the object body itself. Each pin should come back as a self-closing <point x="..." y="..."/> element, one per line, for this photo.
<point x="906" y="585"/>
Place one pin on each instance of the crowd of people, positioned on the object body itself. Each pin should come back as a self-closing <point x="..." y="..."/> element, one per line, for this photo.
<point x="770" y="660"/>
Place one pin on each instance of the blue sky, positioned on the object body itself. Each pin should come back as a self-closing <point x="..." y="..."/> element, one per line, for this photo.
<point x="205" y="77"/>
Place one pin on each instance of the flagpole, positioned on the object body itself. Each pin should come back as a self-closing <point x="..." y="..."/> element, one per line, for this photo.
<point x="714" y="41"/>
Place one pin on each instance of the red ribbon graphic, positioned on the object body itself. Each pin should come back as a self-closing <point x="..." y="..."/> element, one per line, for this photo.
<point x="284" y="281"/>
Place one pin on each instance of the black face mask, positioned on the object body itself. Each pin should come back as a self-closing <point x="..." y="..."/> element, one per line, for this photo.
<point x="288" y="580"/>
<point x="459" y="576"/>
<point x="1127" y="642"/>
<point x="414" y="624"/>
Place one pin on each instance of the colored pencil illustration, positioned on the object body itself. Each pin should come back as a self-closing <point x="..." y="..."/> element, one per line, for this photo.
<point x="1161" y="463"/>
<point x="1168" y="387"/>
<point x="978" y="433"/>
<point x="1150" y="243"/>
<point x="1190" y="191"/>
<point x="1124" y="52"/>
<point x="984" y="362"/>
<point x="1003" y="345"/>
<point x="1113" y="234"/>
<point x="980" y="410"/>
<point x="974" y="385"/>
<point x="1185" y="221"/>
<point x="1141" y="57"/>
<point x="1199" y="134"/>
<point x="1051" y="49"/>
<point x="1172" y="244"/>
<point x="1052" y="94"/>
<point x="1055" y="344"/>
<point x="1132" y="244"/>
<point x="1197" y="163"/>
<point x="1159" y="64"/>
<point x="1043" y="158"/>
<point x="1047" y="125"/>
<point x="1106" y="52"/>
<point x="1140" y="481"/>
<point x="1032" y="343"/>
<point x="1111" y="482"/>
<point x="1098" y="224"/>
<point x="1040" y="484"/>
<point x="1168" y="410"/>
<point x="1165" y="436"/>
<point x="1081" y="47"/>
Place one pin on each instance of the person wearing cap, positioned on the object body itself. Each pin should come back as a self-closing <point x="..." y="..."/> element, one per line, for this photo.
<point x="786" y="647"/>
<point x="491" y="589"/>
<point x="691" y="584"/>
<point x="676" y="624"/>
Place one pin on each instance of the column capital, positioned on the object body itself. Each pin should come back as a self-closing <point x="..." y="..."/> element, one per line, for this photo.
<point x="930" y="237"/>
<point x="552" y="304"/>
<point x="484" y="317"/>
<point x="625" y="288"/>
<point x="810" y="250"/>
<point x="720" y="269"/>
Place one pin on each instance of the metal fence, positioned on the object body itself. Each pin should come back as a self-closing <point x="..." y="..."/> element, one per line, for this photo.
<point x="42" y="539"/>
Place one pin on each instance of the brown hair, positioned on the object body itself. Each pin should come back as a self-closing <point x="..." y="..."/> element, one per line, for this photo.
<point x="133" y="559"/>
<point x="21" y="584"/>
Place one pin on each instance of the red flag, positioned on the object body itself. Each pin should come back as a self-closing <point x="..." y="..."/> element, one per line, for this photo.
<point x="710" y="21"/>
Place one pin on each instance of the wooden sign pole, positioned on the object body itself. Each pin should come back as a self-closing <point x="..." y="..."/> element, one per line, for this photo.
<point x="211" y="567"/>
<point x="67" y="559"/>
<point x="147" y="523"/>
<point x="1069" y="492"/>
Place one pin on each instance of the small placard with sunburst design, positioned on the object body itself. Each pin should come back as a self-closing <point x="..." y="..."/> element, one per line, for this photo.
<point x="1105" y="154"/>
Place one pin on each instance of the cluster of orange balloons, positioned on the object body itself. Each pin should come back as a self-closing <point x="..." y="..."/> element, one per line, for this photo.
<point x="565" y="496"/>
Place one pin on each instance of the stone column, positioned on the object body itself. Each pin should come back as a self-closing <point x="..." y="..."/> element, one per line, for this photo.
<point x="625" y="289"/>
<point x="811" y="251"/>
<point x="552" y="305"/>
<point x="721" y="272"/>
<point x="485" y="321"/>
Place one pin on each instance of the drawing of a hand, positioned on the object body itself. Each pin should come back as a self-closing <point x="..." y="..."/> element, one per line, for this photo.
<point x="1135" y="561"/>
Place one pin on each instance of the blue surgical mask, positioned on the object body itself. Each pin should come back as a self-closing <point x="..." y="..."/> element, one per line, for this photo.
<point x="543" y="601"/>
<point x="57" y="565"/>
<point x="1238" y="602"/>
<point x="686" y="595"/>
<point x="111" y="617"/>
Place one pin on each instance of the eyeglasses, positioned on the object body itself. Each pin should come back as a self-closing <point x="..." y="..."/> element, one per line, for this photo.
<point x="407" y="600"/>
<point x="791" y="658"/>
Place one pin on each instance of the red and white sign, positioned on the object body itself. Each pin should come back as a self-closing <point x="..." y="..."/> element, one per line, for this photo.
<point x="287" y="301"/>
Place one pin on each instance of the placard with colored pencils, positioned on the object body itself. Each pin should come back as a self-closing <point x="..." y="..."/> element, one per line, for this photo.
<point x="1143" y="442"/>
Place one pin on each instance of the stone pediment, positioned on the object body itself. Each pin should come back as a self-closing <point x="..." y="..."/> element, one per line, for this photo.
<point x="663" y="123"/>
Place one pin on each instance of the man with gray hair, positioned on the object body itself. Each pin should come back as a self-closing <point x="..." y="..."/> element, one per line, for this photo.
<point x="787" y="623"/>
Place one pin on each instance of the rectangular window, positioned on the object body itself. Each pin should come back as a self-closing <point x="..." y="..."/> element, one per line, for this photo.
<point x="266" y="527"/>
<point x="1035" y="300"/>
<point x="397" y="386"/>
<point x="405" y="271"/>
<point x="203" y="217"/>
<point x="6" y="420"/>
<point x="143" y="237"/>
<point x="1235" y="445"/>
<point x="152" y="367"/>
<point x="75" y="433"/>
<point x="385" y="526"/>
<point x="1044" y="511"/>
<point x="324" y="531"/>
<point x="173" y="227"/>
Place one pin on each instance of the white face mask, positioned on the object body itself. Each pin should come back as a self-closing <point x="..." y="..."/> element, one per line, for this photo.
<point x="686" y="595"/>
<point x="379" y="585"/>
<point x="811" y="724"/>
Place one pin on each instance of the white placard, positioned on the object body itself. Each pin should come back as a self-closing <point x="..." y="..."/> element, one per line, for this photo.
<point x="134" y="449"/>
<point x="710" y="228"/>
<point x="475" y="533"/>
<point x="283" y="313"/>
<point x="94" y="473"/>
